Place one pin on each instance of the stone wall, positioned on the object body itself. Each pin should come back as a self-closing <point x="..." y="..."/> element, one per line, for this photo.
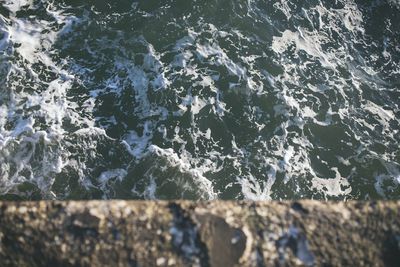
<point x="134" y="233"/>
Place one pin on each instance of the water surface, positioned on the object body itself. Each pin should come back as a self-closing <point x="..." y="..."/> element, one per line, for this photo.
<point x="200" y="99"/>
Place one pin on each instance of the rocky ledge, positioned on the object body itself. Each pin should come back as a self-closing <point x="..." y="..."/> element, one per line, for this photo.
<point x="134" y="233"/>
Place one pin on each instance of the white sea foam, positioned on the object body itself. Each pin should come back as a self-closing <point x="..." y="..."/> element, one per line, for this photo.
<point x="16" y="5"/>
<point x="46" y="101"/>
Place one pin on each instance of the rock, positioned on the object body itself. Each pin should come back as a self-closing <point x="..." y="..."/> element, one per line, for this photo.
<point x="225" y="244"/>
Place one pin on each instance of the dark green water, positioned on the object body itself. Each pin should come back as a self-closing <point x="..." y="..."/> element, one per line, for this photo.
<point x="199" y="99"/>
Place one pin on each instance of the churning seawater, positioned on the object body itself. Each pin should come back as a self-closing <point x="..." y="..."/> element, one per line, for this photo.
<point x="200" y="99"/>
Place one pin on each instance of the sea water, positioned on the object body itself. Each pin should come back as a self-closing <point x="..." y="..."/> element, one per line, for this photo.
<point x="200" y="99"/>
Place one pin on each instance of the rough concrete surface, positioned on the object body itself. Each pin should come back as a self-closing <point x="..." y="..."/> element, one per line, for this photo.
<point x="135" y="233"/>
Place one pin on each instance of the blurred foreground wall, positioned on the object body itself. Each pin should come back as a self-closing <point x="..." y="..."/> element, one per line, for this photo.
<point x="134" y="233"/>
